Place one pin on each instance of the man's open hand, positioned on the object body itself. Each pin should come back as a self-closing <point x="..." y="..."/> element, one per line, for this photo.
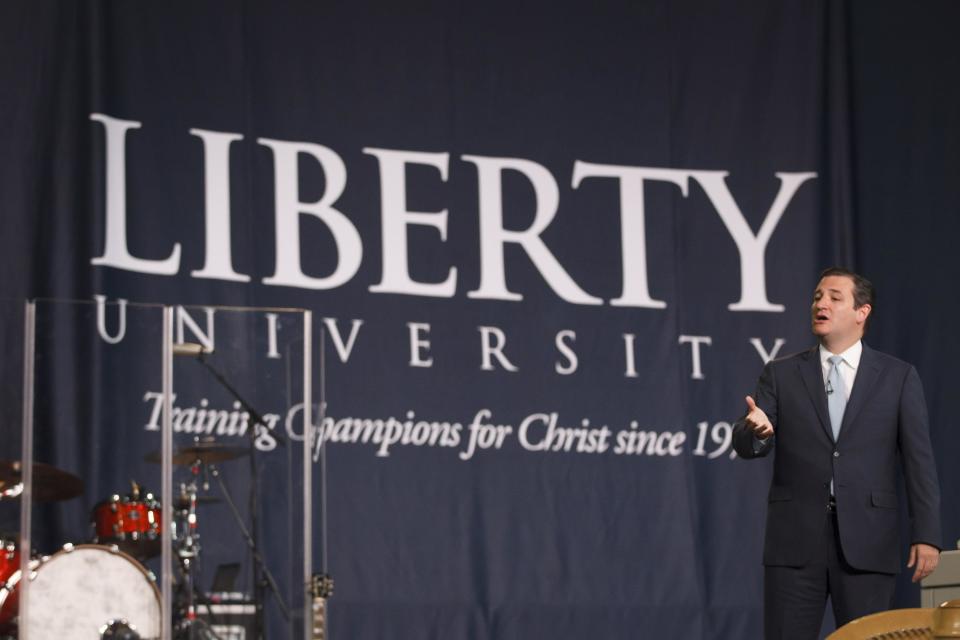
<point x="757" y="421"/>
<point x="925" y="558"/>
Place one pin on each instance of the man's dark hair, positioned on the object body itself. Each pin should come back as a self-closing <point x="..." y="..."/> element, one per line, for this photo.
<point x="863" y="292"/>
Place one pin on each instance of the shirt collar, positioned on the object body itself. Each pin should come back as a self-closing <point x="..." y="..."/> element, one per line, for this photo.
<point x="851" y="356"/>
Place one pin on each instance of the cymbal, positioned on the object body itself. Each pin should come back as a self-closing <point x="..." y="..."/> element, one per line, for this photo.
<point x="49" y="483"/>
<point x="204" y="452"/>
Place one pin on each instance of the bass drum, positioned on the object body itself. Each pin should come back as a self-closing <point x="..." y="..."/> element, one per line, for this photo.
<point x="78" y="592"/>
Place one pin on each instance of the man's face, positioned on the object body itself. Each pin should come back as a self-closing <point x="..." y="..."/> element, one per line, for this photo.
<point x="832" y="314"/>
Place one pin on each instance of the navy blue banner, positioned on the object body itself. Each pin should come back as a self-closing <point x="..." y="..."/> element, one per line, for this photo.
<point x="548" y="250"/>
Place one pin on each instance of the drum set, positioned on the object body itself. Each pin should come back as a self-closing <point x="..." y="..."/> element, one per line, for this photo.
<point x="101" y="588"/>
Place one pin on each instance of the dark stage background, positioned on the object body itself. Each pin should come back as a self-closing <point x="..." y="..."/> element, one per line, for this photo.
<point x="601" y="217"/>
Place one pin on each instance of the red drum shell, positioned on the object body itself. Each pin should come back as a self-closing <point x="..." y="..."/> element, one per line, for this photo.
<point x="132" y="525"/>
<point x="9" y="559"/>
<point x="9" y="577"/>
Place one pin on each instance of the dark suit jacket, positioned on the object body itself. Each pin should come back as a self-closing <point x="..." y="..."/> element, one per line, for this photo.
<point x="884" y="424"/>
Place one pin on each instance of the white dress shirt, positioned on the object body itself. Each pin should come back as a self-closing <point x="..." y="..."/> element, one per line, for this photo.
<point x="848" y="368"/>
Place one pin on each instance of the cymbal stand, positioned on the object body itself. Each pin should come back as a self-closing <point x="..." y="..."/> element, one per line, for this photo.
<point x="188" y="552"/>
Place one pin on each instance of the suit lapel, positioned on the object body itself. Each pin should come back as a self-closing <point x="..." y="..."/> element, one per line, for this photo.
<point x="812" y="373"/>
<point x="867" y="374"/>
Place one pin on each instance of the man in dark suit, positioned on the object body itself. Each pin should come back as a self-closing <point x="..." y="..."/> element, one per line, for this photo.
<point x="839" y="419"/>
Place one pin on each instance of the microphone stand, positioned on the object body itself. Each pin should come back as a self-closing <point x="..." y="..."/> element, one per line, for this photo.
<point x="248" y="536"/>
<point x="261" y="573"/>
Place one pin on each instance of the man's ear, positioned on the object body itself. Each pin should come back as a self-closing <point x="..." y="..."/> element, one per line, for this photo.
<point x="862" y="312"/>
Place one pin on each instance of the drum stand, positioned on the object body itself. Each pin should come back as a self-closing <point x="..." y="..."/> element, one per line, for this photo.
<point x="189" y="626"/>
<point x="187" y="540"/>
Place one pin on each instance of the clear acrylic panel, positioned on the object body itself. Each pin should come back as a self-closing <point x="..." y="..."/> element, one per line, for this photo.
<point x="166" y="478"/>
<point x="11" y="399"/>
<point x="91" y="529"/>
<point x="11" y="380"/>
<point x="240" y="481"/>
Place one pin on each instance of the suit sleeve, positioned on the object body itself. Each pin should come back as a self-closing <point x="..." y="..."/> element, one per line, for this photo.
<point x="744" y="442"/>
<point x="919" y="467"/>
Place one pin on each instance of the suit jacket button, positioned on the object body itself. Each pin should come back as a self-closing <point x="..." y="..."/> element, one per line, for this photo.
<point x="836" y="454"/>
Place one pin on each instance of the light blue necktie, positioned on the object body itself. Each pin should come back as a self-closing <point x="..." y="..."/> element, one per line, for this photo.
<point x="836" y="398"/>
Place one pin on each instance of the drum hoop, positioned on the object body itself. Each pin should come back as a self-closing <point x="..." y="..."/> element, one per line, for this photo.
<point x="109" y="548"/>
<point x="10" y="587"/>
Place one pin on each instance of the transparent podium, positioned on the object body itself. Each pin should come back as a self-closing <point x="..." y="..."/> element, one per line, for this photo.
<point x="163" y="476"/>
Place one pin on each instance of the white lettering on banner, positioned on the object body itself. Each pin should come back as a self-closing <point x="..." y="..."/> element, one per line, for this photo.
<point x="555" y="438"/>
<point x="272" y="335"/>
<point x="752" y="248"/>
<point x="384" y="434"/>
<point x="395" y="217"/>
<point x="288" y="208"/>
<point x="493" y="349"/>
<point x="153" y="424"/>
<point x="115" y="251"/>
<point x="483" y="435"/>
<point x="203" y="420"/>
<point x="633" y="234"/>
<point x="418" y="344"/>
<point x="216" y="172"/>
<point x="722" y="436"/>
<point x="567" y="352"/>
<point x="343" y="350"/>
<point x="649" y="443"/>
<point x="493" y="236"/>
<point x="102" y="319"/>
<point x="695" y="342"/>
<point x="631" y="360"/>
<point x="205" y="338"/>
<point x="539" y="432"/>
<point x="764" y="355"/>
<point x="493" y="341"/>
